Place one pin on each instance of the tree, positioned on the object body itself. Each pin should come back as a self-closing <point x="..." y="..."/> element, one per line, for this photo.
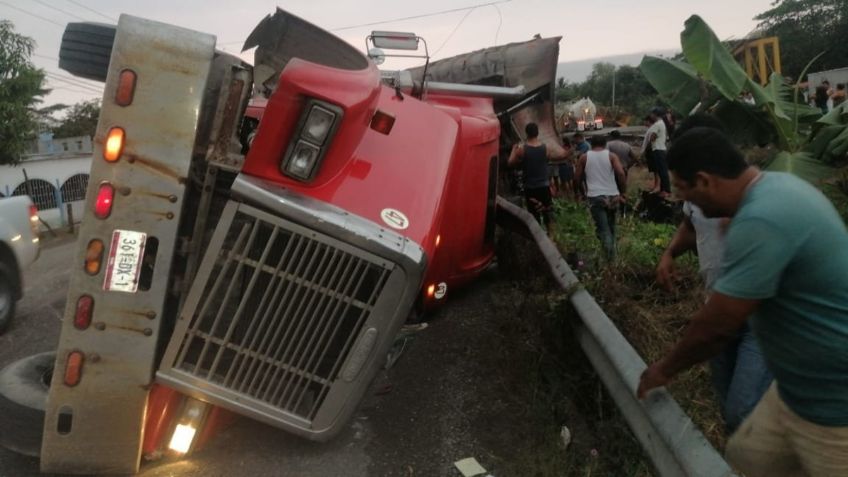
<point x="806" y="28"/>
<point x="80" y="120"/>
<point x="20" y="89"/>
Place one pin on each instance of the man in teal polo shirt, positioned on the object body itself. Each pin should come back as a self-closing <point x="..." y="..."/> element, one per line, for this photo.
<point x="785" y="265"/>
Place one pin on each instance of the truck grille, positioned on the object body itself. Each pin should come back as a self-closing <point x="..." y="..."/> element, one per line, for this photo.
<point x="277" y="310"/>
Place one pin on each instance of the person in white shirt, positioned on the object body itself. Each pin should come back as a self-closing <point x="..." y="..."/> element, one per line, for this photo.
<point x="654" y="146"/>
<point x="606" y="187"/>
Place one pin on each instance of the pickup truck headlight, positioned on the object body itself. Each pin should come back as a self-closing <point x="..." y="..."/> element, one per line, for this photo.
<point x="315" y="130"/>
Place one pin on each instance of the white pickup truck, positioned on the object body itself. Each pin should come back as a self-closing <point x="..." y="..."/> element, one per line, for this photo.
<point x="19" y="247"/>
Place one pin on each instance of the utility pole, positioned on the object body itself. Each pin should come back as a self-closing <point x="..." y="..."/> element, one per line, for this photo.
<point x="613" y="86"/>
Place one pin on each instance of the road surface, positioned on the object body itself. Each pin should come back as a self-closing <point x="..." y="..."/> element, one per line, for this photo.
<point x="445" y="399"/>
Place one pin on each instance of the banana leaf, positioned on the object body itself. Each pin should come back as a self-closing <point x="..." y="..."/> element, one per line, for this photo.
<point x="711" y="59"/>
<point x="803" y="164"/>
<point x="838" y="116"/>
<point x="676" y="82"/>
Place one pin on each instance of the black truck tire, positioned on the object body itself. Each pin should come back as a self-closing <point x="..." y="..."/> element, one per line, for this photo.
<point x="8" y="294"/>
<point x="23" y="399"/>
<point x="86" y="49"/>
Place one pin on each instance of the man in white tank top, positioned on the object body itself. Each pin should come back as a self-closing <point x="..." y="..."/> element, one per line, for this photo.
<point x="605" y="185"/>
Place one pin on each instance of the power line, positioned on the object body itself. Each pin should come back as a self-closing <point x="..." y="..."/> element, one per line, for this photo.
<point x="469" y="12"/>
<point x="423" y="15"/>
<point x="73" y="83"/>
<point x="60" y="10"/>
<point x="94" y="11"/>
<point x="45" y="57"/>
<point x="33" y="14"/>
<point x="500" y="21"/>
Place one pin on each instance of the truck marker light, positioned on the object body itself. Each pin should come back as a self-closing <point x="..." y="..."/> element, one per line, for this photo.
<point x="126" y="88"/>
<point x="103" y="203"/>
<point x="182" y="438"/>
<point x="73" y="368"/>
<point x="431" y="290"/>
<point x="191" y="418"/>
<point x="114" y="145"/>
<point x="318" y="124"/>
<point x="382" y="122"/>
<point x="82" y="317"/>
<point x="438" y="240"/>
<point x="33" y="222"/>
<point x="94" y="257"/>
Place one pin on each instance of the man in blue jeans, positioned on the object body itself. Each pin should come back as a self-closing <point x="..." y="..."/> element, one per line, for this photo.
<point x="606" y="186"/>
<point x="739" y="373"/>
<point x="783" y="271"/>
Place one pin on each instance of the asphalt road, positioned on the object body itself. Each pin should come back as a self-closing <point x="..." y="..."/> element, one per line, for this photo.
<point x="440" y="403"/>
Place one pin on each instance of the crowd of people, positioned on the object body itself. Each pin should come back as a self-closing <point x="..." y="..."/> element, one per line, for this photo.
<point x="773" y="254"/>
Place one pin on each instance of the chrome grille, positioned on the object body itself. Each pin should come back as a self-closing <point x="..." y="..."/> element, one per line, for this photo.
<point x="280" y="309"/>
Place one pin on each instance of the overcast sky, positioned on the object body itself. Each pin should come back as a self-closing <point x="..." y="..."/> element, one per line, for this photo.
<point x="590" y="28"/>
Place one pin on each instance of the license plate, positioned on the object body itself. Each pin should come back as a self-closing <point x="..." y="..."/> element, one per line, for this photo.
<point x="124" y="265"/>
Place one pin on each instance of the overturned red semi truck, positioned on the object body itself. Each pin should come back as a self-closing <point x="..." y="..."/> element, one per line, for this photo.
<point x="271" y="284"/>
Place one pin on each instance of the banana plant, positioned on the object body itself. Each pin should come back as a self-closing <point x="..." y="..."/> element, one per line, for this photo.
<point x="711" y="79"/>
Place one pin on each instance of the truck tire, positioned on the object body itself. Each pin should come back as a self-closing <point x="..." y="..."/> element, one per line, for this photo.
<point x="8" y="295"/>
<point x="86" y="49"/>
<point x="23" y="399"/>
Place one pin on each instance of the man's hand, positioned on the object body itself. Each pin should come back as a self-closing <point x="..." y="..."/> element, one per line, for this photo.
<point x="651" y="378"/>
<point x="666" y="273"/>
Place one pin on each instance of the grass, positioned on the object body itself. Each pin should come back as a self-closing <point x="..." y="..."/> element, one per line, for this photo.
<point x="568" y="392"/>
<point x="651" y="319"/>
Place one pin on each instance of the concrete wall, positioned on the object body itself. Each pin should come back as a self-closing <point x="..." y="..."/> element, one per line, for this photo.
<point x="54" y="182"/>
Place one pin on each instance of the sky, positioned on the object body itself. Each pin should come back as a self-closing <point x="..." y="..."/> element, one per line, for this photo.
<point x="590" y="28"/>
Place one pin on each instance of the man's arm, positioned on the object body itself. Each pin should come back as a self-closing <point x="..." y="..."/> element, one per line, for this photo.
<point x="712" y="327"/>
<point x="554" y="156"/>
<point x="684" y="239"/>
<point x="620" y="178"/>
<point x="515" y="155"/>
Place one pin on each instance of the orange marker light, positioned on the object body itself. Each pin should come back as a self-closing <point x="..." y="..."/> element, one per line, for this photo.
<point x="85" y="308"/>
<point x="126" y="88"/>
<point x="114" y="145"/>
<point x="431" y="290"/>
<point x="103" y="203"/>
<point x="73" y="368"/>
<point x="382" y="122"/>
<point x="94" y="257"/>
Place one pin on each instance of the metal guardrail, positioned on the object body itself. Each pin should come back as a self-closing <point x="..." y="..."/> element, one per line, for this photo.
<point x="667" y="435"/>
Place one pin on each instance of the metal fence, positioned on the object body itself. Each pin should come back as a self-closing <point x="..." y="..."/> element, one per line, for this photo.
<point x="667" y="435"/>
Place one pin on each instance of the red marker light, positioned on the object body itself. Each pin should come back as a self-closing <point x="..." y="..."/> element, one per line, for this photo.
<point x="73" y="368"/>
<point x="103" y="203"/>
<point x="382" y="122"/>
<point x="126" y="88"/>
<point x="431" y="290"/>
<point x="85" y="308"/>
<point x="114" y="145"/>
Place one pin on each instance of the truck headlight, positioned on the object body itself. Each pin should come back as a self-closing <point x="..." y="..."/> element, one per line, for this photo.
<point x="303" y="159"/>
<point x="315" y="130"/>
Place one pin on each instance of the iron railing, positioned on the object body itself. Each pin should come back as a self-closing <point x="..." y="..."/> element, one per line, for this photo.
<point x="667" y="435"/>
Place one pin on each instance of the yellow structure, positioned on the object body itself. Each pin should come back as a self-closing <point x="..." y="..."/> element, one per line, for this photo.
<point x="760" y="57"/>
